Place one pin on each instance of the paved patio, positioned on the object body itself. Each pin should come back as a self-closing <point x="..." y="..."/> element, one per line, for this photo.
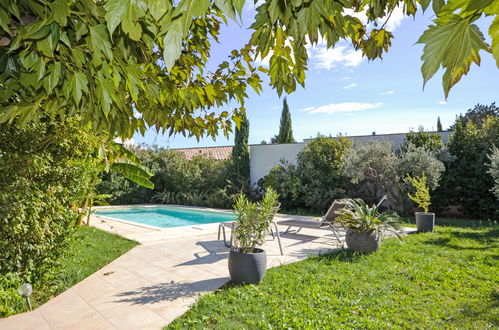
<point x="157" y="281"/>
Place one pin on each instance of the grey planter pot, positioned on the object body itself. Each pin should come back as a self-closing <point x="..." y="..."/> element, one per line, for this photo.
<point x="362" y="241"/>
<point x="247" y="268"/>
<point x="425" y="221"/>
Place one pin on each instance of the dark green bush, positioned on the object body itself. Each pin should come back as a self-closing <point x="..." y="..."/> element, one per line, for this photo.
<point x="284" y="179"/>
<point x="467" y="186"/>
<point x="319" y="168"/>
<point x="316" y="180"/>
<point x="46" y="172"/>
<point x="200" y="181"/>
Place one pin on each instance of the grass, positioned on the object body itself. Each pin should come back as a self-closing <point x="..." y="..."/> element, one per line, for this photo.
<point x="94" y="249"/>
<point x="445" y="279"/>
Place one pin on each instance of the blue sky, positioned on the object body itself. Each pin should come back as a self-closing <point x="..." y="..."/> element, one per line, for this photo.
<point x="349" y="95"/>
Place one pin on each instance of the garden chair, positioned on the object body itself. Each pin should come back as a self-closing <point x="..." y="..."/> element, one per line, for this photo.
<point x="327" y="221"/>
<point x="232" y="225"/>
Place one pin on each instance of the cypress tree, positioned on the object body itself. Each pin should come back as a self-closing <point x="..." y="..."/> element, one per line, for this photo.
<point x="240" y="152"/>
<point x="439" y="125"/>
<point x="285" y="130"/>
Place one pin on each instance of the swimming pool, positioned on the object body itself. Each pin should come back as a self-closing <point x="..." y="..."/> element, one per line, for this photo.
<point x="165" y="216"/>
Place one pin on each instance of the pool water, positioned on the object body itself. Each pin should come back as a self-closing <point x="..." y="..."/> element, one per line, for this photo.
<point x="166" y="217"/>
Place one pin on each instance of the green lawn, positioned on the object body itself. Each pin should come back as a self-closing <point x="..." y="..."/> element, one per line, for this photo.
<point x="446" y="279"/>
<point x="94" y="249"/>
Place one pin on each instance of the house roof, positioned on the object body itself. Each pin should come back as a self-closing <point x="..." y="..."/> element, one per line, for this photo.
<point x="219" y="153"/>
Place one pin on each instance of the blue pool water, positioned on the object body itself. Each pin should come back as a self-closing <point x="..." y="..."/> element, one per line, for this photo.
<point x="166" y="217"/>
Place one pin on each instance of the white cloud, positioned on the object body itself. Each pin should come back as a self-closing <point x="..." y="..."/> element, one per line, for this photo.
<point x="350" y="86"/>
<point x="345" y="78"/>
<point x="387" y="93"/>
<point x="395" y="19"/>
<point x="442" y="102"/>
<point x="343" y="107"/>
<point x="339" y="56"/>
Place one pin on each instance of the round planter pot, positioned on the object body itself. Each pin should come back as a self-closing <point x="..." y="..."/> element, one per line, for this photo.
<point x="425" y="221"/>
<point x="247" y="268"/>
<point x="362" y="241"/>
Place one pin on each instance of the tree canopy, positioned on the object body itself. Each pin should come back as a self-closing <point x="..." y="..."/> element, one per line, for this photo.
<point x="477" y="115"/>
<point x="124" y="65"/>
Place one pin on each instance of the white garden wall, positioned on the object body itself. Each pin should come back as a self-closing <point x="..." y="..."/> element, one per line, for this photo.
<point x="265" y="156"/>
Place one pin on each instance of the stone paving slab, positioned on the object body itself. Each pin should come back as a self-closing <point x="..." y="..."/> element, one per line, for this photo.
<point x="156" y="281"/>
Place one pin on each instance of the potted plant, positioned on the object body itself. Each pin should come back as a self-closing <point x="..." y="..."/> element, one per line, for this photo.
<point x="425" y="221"/>
<point x="248" y="262"/>
<point x="366" y="225"/>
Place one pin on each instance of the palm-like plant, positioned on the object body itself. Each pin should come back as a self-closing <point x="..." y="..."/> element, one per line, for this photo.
<point x="359" y="217"/>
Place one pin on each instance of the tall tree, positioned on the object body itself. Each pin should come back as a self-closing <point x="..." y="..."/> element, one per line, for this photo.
<point x="240" y="152"/>
<point x="439" y="125"/>
<point x="125" y="65"/>
<point x="285" y="129"/>
<point x="477" y="115"/>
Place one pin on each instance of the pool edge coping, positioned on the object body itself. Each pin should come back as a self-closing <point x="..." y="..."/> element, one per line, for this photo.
<point x="203" y="226"/>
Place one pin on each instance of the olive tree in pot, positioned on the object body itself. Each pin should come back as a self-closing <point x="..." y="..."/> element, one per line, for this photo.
<point x="247" y="262"/>
<point x="425" y="221"/>
<point x="366" y="225"/>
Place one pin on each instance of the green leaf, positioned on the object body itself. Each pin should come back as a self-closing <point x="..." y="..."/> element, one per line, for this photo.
<point x="172" y="44"/>
<point x="78" y="84"/>
<point x="4" y="20"/>
<point x="133" y="172"/>
<point x="60" y="11"/>
<point x="53" y="78"/>
<point x="226" y="7"/>
<point x="105" y="92"/>
<point x="159" y="8"/>
<point x="100" y="44"/>
<point x="116" y="9"/>
<point x="424" y="4"/>
<point x="437" y="5"/>
<point x="48" y="44"/>
<point x="452" y="43"/>
<point x="494" y="34"/>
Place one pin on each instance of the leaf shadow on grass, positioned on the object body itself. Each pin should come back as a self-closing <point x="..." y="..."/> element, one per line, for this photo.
<point x="476" y="311"/>
<point x="169" y="291"/>
<point x="486" y="238"/>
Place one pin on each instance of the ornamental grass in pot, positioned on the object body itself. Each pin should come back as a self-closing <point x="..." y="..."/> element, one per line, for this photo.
<point x="247" y="261"/>
<point x="425" y="221"/>
<point x="366" y="225"/>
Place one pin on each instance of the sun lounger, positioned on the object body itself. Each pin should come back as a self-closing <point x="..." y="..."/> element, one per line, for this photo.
<point x="327" y="221"/>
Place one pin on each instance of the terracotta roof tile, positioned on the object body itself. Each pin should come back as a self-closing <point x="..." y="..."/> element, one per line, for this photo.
<point x="219" y="153"/>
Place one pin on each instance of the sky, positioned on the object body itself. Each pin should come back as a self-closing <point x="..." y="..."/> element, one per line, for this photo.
<point x="347" y="94"/>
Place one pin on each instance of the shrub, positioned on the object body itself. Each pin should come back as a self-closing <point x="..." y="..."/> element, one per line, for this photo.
<point x="494" y="169"/>
<point x="359" y="217"/>
<point x="422" y="195"/>
<point x="10" y="300"/>
<point x="284" y="179"/>
<point x="477" y="115"/>
<point x="47" y="171"/>
<point x="320" y="170"/>
<point x="422" y="139"/>
<point x="372" y="168"/>
<point x="254" y="220"/>
<point x="416" y="161"/>
<point x="176" y="179"/>
<point x="467" y="183"/>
